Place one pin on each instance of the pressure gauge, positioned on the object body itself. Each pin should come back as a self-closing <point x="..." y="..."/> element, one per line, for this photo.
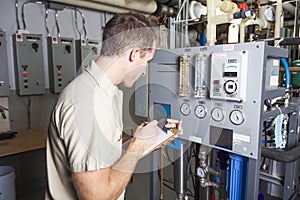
<point x="185" y="109"/>
<point x="200" y="111"/>
<point x="236" y="117"/>
<point x="217" y="114"/>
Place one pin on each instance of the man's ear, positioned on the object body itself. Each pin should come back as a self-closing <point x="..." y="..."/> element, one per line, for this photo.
<point x="134" y="54"/>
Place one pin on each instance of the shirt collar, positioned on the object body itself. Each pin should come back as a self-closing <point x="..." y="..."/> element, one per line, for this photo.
<point x="98" y="74"/>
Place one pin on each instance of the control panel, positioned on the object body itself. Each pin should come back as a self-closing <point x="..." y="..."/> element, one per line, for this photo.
<point x="217" y="92"/>
<point x="228" y="75"/>
<point x="62" y="62"/>
<point x="4" y="84"/>
<point x="29" y="64"/>
<point x="87" y="50"/>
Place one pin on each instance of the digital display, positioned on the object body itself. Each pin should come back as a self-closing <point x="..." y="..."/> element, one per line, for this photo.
<point x="230" y="74"/>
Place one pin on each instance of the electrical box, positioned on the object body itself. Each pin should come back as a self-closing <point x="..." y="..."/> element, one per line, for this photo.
<point x="4" y="84"/>
<point x="87" y="50"/>
<point x="229" y="75"/>
<point x="29" y="64"/>
<point x="62" y="63"/>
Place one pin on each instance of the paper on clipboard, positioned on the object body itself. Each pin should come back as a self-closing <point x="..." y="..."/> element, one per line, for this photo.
<point x="161" y="138"/>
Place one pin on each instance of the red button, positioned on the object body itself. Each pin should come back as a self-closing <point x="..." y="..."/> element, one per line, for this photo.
<point x="25" y="74"/>
<point x="59" y="74"/>
<point x="216" y="82"/>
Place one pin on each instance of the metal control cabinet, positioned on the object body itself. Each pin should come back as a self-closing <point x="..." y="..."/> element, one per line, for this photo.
<point x="29" y="64"/>
<point x="239" y="78"/>
<point x="87" y="50"/>
<point x="4" y="84"/>
<point x="62" y="65"/>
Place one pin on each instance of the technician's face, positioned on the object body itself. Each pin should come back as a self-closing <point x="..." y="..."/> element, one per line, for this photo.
<point x="138" y="70"/>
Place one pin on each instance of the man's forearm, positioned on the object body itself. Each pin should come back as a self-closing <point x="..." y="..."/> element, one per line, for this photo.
<point x="121" y="172"/>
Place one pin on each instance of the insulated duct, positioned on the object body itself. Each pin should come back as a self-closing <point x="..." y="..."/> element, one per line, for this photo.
<point x="114" y="6"/>
<point x="282" y="156"/>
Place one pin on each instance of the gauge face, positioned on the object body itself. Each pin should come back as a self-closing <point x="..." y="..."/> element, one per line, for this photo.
<point x="185" y="109"/>
<point x="217" y="114"/>
<point x="236" y="117"/>
<point x="200" y="111"/>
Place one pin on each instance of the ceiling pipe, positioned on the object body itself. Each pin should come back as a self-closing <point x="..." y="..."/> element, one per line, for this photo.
<point x="113" y="6"/>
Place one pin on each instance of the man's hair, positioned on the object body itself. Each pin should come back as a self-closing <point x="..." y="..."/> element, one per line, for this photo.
<point x="126" y="31"/>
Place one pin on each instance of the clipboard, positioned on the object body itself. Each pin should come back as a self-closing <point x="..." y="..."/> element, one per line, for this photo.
<point x="161" y="138"/>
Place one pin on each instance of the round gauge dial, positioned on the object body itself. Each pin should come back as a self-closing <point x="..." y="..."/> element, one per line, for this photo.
<point x="217" y="114"/>
<point x="200" y="111"/>
<point x="185" y="109"/>
<point x="236" y="117"/>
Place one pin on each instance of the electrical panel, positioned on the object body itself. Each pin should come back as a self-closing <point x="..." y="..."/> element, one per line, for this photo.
<point x="228" y="75"/>
<point x="4" y="84"/>
<point x="29" y="64"/>
<point x="62" y="62"/>
<point x="217" y="91"/>
<point x="87" y="50"/>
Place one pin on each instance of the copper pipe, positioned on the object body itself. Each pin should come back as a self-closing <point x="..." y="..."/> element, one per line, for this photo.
<point x="292" y="69"/>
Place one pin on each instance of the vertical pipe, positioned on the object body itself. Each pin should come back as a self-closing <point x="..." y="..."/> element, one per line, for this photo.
<point x="278" y="18"/>
<point x="180" y="171"/>
<point x="211" y="26"/>
<point x="197" y="164"/>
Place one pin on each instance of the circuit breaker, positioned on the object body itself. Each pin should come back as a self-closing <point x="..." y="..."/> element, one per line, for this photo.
<point x="29" y="64"/>
<point x="62" y="63"/>
<point x="4" y="84"/>
<point x="87" y="50"/>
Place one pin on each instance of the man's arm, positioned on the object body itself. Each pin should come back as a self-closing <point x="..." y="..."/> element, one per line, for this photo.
<point x="109" y="183"/>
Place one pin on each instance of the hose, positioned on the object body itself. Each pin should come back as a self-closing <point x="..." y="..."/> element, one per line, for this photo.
<point x="287" y="73"/>
<point x="282" y="156"/>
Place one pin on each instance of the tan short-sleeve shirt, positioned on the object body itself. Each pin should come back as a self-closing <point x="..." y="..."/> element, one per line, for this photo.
<point x="84" y="132"/>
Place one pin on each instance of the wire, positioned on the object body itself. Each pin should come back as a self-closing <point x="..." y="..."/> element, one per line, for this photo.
<point x="56" y="22"/>
<point x="46" y="22"/>
<point x="23" y="14"/>
<point x="17" y="14"/>
<point x="76" y="23"/>
<point x="83" y="23"/>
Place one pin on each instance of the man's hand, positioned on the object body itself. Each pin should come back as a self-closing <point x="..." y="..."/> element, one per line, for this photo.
<point x="144" y="138"/>
<point x="176" y="127"/>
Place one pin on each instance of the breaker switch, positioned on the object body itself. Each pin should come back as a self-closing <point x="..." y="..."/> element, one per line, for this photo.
<point x="68" y="49"/>
<point x="35" y="47"/>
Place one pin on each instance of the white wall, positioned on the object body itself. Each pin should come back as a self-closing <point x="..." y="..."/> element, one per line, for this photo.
<point x="35" y="22"/>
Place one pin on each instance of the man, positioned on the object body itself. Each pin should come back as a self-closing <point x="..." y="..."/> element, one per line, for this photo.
<point x="84" y="157"/>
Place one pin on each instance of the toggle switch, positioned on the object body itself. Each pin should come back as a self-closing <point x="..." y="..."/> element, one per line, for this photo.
<point x="68" y="48"/>
<point x="35" y="47"/>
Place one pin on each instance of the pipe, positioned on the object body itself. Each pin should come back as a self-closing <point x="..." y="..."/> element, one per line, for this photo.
<point x="278" y="19"/>
<point x="282" y="156"/>
<point x="246" y="22"/>
<point x="213" y="20"/>
<point x="287" y="73"/>
<point x="114" y="6"/>
<point x="289" y="8"/>
<point x="180" y="171"/>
